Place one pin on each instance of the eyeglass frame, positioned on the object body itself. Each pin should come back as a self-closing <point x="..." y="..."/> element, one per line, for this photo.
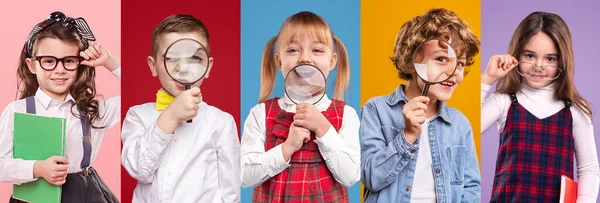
<point x="61" y="60"/>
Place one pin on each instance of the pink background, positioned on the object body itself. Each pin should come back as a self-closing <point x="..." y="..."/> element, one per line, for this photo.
<point x="103" y="17"/>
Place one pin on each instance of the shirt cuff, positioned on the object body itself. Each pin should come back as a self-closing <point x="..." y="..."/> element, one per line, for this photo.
<point x="160" y="137"/>
<point x="273" y="161"/>
<point x="25" y="169"/>
<point x="405" y="148"/>
<point x="329" y="141"/>
<point x="117" y="72"/>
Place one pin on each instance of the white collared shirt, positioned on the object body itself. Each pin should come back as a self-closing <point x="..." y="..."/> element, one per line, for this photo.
<point x="18" y="171"/>
<point x="341" y="151"/>
<point x="198" y="163"/>
<point x="542" y="104"/>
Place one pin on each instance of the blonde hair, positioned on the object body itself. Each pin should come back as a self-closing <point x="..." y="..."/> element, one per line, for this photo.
<point x="299" y="25"/>
<point x="435" y="23"/>
<point x="556" y="28"/>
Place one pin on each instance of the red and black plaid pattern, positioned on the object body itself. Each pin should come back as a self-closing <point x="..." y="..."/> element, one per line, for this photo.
<point x="307" y="179"/>
<point x="532" y="156"/>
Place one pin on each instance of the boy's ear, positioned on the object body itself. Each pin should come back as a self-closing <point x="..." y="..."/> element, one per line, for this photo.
<point x="152" y="66"/>
<point x="211" y="60"/>
<point x="29" y="63"/>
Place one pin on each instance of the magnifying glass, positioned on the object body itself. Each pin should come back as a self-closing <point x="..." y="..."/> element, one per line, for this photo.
<point x="305" y="82"/>
<point x="186" y="62"/>
<point x="435" y="61"/>
<point x="530" y="69"/>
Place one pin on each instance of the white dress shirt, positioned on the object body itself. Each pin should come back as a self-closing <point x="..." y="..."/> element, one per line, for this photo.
<point x="18" y="171"/>
<point x="542" y="104"/>
<point x="341" y="151"/>
<point x="423" y="184"/>
<point x="198" y="163"/>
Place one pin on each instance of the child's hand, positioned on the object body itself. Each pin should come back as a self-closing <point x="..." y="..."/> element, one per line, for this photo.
<point x="498" y="67"/>
<point x="184" y="107"/>
<point x="414" y="116"/>
<point x="97" y="55"/>
<point x="297" y="136"/>
<point x="53" y="170"/>
<point x="309" y="117"/>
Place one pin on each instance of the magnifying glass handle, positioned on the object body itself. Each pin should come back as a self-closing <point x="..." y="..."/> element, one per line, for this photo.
<point x="187" y="87"/>
<point x="425" y="90"/>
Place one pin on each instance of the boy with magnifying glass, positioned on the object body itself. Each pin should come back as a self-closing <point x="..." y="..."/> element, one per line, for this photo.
<point x="416" y="148"/>
<point x="172" y="160"/>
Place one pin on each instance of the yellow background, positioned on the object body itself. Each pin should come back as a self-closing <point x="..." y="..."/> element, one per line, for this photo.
<point x="381" y="20"/>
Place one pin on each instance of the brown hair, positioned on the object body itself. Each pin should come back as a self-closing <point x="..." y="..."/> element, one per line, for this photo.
<point x="83" y="90"/>
<point x="556" y="28"/>
<point x="436" y="23"/>
<point x="180" y="23"/>
<point x="303" y="24"/>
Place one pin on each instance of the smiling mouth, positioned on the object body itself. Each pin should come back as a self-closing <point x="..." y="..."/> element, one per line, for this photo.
<point x="59" y="79"/>
<point x="305" y="72"/>
<point x="447" y="83"/>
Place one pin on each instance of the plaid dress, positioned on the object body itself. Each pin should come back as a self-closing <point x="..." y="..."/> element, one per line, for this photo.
<point x="307" y="179"/>
<point x="532" y="156"/>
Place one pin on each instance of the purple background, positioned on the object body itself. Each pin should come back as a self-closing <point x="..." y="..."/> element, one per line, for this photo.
<point x="499" y="20"/>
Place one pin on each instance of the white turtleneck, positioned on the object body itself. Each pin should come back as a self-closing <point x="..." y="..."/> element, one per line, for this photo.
<point x="541" y="103"/>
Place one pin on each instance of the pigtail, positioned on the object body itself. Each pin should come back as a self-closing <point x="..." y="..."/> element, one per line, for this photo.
<point x="268" y="70"/>
<point x="343" y="73"/>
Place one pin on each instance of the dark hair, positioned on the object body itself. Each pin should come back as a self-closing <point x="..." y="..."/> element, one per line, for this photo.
<point x="83" y="90"/>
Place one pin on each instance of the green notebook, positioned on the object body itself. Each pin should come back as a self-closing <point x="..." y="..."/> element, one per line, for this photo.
<point x="37" y="138"/>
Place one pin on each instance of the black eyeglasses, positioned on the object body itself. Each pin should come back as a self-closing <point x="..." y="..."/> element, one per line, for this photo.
<point x="50" y="62"/>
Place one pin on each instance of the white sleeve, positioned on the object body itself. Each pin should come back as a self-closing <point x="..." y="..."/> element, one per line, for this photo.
<point x="341" y="151"/>
<point x="15" y="171"/>
<point x="143" y="147"/>
<point x="110" y="112"/>
<point x="257" y="164"/>
<point x="588" y="172"/>
<point x="228" y="160"/>
<point x="491" y="108"/>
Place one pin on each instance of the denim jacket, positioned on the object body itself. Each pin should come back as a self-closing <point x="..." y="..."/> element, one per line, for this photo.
<point x="389" y="160"/>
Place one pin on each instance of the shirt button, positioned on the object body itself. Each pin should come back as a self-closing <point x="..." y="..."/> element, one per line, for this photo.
<point x="431" y="134"/>
<point x="407" y="189"/>
<point x="169" y="173"/>
<point x="413" y="151"/>
<point x="437" y="170"/>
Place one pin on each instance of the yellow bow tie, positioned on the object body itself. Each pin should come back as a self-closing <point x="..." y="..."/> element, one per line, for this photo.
<point x="163" y="99"/>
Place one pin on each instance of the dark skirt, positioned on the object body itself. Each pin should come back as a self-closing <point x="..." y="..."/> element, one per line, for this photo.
<point x="79" y="188"/>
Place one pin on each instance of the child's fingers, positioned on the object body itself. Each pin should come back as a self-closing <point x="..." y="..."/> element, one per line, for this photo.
<point x="84" y="55"/>
<point x="59" y="159"/>
<point x="97" y="48"/>
<point x="299" y="122"/>
<point x="196" y="100"/>
<point x="301" y="106"/>
<point x="61" y="167"/>
<point x="94" y="51"/>
<point x="194" y="91"/>
<point x="509" y="61"/>
<point x="90" y="54"/>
